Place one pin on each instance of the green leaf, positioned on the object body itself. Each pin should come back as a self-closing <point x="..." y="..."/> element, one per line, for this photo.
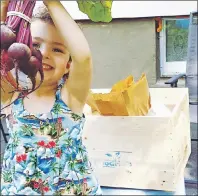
<point x="96" y="10"/>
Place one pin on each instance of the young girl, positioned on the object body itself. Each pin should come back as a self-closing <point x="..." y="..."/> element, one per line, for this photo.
<point x="45" y="154"/>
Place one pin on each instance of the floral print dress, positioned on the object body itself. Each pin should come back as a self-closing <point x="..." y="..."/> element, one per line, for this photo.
<point x="45" y="154"/>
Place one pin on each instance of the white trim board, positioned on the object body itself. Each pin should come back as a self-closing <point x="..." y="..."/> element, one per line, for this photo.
<point x="138" y="9"/>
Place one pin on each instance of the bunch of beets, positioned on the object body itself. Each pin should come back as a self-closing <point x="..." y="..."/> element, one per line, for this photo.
<point x="17" y="51"/>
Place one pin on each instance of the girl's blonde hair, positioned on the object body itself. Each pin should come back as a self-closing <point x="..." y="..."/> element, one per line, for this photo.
<point x="41" y="12"/>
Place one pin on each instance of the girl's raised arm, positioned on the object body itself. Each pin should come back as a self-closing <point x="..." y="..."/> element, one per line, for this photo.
<point x="80" y="75"/>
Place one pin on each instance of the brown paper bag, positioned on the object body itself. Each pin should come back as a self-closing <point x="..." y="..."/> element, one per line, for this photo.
<point x="118" y="104"/>
<point x="102" y="103"/>
<point x="91" y="102"/>
<point x="123" y="84"/>
<point x="137" y="97"/>
<point x="125" y="98"/>
<point x="111" y="104"/>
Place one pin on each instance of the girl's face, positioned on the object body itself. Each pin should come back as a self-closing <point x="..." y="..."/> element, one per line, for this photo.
<point x="55" y="54"/>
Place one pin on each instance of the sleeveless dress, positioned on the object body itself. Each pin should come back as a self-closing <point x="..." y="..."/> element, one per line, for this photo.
<point x="45" y="154"/>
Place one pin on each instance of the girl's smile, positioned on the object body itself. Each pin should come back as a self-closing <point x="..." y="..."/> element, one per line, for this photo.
<point x="47" y="67"/>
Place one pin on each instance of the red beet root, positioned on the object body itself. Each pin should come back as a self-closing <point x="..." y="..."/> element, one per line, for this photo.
<point x="23" y="66"/>
<point x="19" y="51"/>
<point x="35" y="66"/>
<point x="33" y="80"/>
<point x="7" y="63"/>
<point x="7" y="37"/>
<point x="37" y="54"/>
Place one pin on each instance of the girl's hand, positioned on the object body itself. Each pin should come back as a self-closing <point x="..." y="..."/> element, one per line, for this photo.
<point x="5" y="3"/>
<point x="4" y="8"/>
<point x="47" y="2"/>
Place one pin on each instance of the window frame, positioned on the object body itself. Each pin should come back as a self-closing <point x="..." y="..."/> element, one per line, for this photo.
<point x="169" y="69"/>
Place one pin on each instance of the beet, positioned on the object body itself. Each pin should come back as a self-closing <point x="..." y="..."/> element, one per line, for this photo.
<point x="33" y="79"/>
<point x="19" y="51"/>
<point x="7" y="63"/>
<point x="7" y="37"/>
<point x="23" y="66"/>
<point x="37" y="54"/>
<point x="17" y="40"/>
<point x="34" y="67"/>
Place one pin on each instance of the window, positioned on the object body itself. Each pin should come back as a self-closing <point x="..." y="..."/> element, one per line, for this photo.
<point x="173" y="46"/>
